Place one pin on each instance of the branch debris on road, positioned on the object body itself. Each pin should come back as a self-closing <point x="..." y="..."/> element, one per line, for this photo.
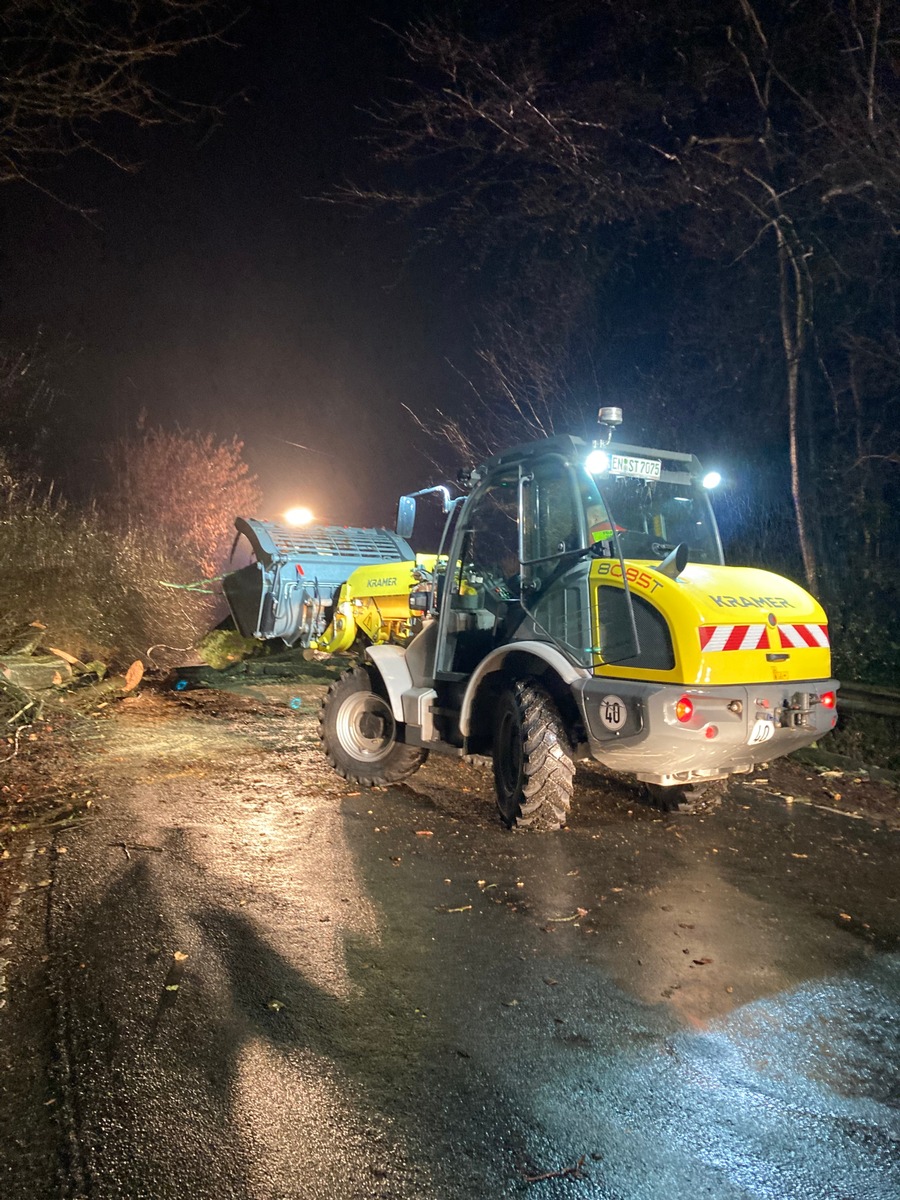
<point x="579" y="912"/>
<point x="573" y="1172"/>
<point x="129" y="846"/>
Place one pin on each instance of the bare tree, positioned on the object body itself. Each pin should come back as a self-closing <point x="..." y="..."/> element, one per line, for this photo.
<point x="520" y="393"/>
<point x="66" y="68"/>
<point x="756" y="144"/>
<point x="520" y="385"/>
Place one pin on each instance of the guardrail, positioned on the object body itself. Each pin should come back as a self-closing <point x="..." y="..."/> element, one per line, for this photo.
<point x="865" y="698"/>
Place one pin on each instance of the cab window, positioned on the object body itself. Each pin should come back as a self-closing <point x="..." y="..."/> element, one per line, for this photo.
<point x="490" y="547"/>
<point x="552" y="519"/>
<point x="485" y="586"/>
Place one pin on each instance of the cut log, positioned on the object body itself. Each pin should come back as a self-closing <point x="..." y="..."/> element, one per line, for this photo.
<point x="35" y="672"/>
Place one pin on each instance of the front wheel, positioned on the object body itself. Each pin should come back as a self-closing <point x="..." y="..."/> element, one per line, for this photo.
<point x="533" y="767"/>
<point x="359" y="734"/>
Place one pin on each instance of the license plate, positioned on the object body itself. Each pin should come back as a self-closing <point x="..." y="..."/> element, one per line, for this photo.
<point x="761" y="732"/>
<point x="645" y="468"/>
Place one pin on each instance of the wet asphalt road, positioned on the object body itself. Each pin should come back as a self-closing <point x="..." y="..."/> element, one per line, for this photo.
<point x="238" y="977"/>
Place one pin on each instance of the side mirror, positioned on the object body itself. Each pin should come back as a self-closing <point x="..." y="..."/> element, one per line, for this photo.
<point x="675" y="561"/>
<point x="406" y="516"/>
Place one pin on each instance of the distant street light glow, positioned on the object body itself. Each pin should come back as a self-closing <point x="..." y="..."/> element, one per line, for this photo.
<point x="298" y="516"/>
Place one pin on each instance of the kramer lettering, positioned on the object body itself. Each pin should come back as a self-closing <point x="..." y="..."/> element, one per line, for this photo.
<point x="751" y="602"/>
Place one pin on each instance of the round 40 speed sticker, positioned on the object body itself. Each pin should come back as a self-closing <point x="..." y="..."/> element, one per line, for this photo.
<point x="613" y="713"/>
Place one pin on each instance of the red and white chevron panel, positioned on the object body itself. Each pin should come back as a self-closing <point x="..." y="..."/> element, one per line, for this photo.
<point x="733" y="637"/>
<point x="800" y="637"/>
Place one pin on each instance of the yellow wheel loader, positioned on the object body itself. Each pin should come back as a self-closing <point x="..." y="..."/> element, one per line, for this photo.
<point x="373" y="606"/>
<point x="584" y="611"/>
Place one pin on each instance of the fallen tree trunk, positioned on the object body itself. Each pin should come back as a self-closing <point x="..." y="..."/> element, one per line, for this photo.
<point x="35" y="672"/>
<point x="17" y="706"/>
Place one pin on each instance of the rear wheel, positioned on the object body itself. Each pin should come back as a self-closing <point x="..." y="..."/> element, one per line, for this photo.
<point x="359" y="733"/>
<point x="533" y="767"/>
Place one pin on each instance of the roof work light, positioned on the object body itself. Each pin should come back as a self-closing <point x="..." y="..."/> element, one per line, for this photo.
<point x="597" y="462"/>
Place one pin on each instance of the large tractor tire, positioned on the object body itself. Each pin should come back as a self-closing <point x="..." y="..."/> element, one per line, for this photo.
<point x="533" y="767"/>
<point x="359" y="733"/>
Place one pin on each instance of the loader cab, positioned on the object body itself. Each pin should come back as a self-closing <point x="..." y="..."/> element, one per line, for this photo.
<point x="653" y="516"/>
<point x="519" y="561"/>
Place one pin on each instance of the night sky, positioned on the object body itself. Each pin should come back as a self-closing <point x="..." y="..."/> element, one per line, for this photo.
<point x="217" y="288"/>
<point x="212" y="289"/>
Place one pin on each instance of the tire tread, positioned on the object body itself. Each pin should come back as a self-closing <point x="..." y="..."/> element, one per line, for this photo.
<point x="549" y="769"/>
<point x="402" y="761"/>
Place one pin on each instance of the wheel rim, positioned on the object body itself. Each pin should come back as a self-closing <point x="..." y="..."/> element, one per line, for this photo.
<point x="365" y="727"/>
<point x="510" y="758"/>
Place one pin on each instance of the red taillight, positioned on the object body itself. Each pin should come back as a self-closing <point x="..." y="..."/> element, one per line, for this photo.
<point x="828" y="700"/>
<point x="711" y="731"/>
<point x="684" y="709"/>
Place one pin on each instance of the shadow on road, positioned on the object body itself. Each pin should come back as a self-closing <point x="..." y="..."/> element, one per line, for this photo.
<point x="498" y="1007"/>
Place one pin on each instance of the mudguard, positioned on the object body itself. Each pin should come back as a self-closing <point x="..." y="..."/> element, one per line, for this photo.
<point x="554" y="659"/>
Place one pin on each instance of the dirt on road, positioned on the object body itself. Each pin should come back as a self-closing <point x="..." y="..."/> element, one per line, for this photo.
<point x="226" y="972"/>
<point x="47" y="774"/>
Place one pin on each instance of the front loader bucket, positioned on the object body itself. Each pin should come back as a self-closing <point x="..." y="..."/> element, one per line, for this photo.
<point x="287" y="593"/>
<point x="245" y="592"/>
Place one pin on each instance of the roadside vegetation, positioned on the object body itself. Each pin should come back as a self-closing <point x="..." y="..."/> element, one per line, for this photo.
<point x="86" y="554"/>
<point x="124" y="572"/>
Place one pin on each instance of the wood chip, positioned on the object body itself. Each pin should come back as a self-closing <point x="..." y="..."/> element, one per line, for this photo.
<point x="133" y="675"/>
